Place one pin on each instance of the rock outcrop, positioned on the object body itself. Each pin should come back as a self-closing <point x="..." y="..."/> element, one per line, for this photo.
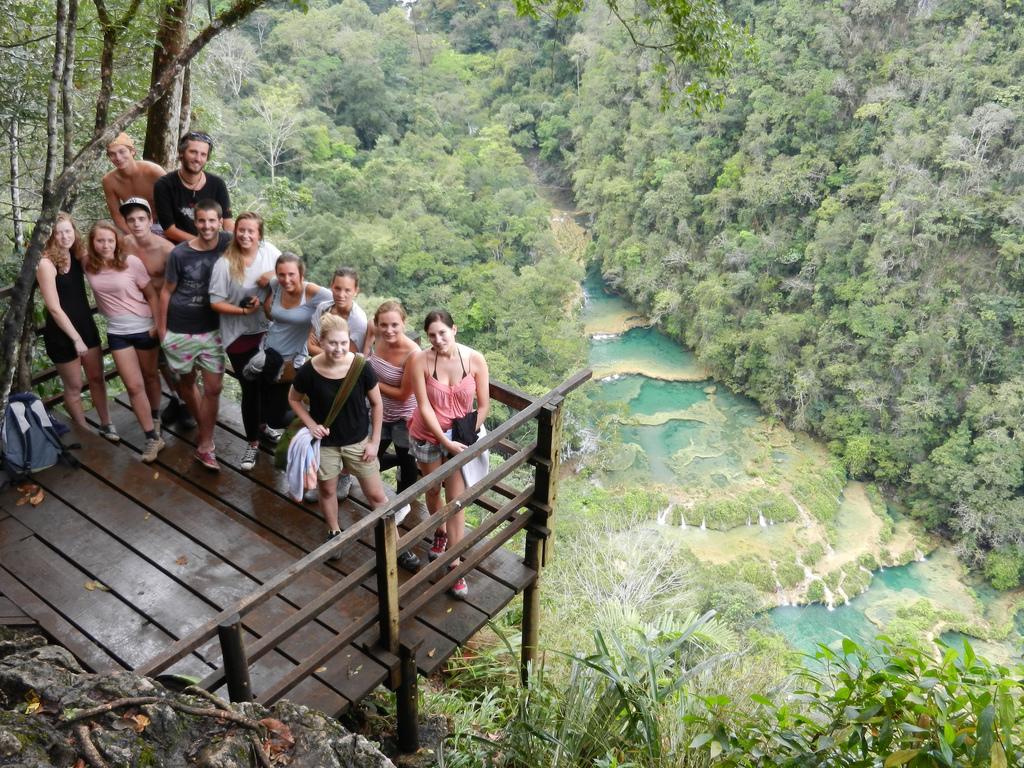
<point x="52" y="713"/>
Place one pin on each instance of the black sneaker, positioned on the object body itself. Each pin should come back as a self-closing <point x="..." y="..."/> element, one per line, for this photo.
<point x="185" y="420"/>
<point x="171" y="413"/>
<point x="330" y="535"/>
<point x="409" y="561"/>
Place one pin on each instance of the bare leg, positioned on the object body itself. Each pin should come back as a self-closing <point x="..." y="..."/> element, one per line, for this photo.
<point x="373" y="490"/>
<point x="189" y="392"/>
<point x="92" y="361"/>
<point x="127" y="362"/>
<point x="208" y="405"/>
<point x="150" y="375"/>
<point x="453" y="487"/>
<point x="329" y="502"/>
<point x="433" y="495"/>
<point x="71" y="378"/>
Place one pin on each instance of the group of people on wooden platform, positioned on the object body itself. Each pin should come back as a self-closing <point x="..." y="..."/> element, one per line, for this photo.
<point x="192" y="288"/>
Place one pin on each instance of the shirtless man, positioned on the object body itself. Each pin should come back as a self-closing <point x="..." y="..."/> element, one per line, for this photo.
<point x="130" y="177"/>
<point x="153" y="250"/>
<point x="175" y="194"/>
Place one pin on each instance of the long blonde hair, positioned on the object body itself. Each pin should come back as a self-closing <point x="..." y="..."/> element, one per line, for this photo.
<point x="233" y="253"/>
<point x="96" y="263"/>
<point x="53" y="253"/>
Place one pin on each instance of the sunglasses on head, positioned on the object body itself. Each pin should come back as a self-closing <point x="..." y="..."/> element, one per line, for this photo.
<point x="197" y="136"/>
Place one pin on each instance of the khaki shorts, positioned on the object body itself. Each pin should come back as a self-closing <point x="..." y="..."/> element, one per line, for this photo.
<point x="335" y="458"/>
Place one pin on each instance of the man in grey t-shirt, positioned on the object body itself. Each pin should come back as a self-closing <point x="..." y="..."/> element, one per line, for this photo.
<point x="190" y="329"/>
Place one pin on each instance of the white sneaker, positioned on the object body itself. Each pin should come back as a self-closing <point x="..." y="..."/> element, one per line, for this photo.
<point x="248" y="461"/>
<point x="311" y="496"/>
<point x="272" y="435"/>
<point x="344" y="486"/>
<point x="401" y="513"/>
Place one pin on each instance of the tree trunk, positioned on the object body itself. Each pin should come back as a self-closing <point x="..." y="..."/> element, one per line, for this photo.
<point x="26" y="345"/>
<point x="185" y="112"/>
<point x="55" y="191"/>
<point x="164" y="116"/>
<point x="67" y="90"/>
<point x="53" y="94"/>
<point x="14" y="144"/>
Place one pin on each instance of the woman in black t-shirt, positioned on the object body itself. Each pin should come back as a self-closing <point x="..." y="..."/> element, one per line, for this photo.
<point x="344" y="443"/>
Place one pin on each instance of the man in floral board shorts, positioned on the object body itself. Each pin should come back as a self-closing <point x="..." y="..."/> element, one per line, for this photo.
<point x="190" y="329"/>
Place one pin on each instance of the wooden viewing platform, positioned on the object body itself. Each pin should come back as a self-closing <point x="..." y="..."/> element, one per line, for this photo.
<point x="142" y="567"/>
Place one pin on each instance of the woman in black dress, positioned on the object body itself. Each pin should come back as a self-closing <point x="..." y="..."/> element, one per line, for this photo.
<point x="70" y="334"/>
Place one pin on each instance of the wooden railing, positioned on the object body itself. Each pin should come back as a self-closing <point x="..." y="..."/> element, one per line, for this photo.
<point x="529" y="509"/>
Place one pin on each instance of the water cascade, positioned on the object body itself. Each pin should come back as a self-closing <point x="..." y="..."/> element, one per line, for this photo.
<point x="760" y="519"/>
<point x="703" y="523"/>
<point x="663" y="515"/>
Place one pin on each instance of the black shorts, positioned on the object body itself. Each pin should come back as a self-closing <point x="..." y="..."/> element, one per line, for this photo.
<point x="59" y="346"/>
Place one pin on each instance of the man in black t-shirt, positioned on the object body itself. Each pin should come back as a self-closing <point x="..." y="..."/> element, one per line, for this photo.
<point x="190" y="330"/>
<point x="177" y="193"/>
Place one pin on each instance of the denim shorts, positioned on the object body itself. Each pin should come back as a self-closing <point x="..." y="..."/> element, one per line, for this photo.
<point x="426" y="452"/>
<point x="141" y="341"/>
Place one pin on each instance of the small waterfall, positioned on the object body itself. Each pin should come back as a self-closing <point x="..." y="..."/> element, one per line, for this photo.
<point x="663" y="515"/>
<point x="748" y="521"/>
<point x="771" y="521"/>
<point x="703" y="523"/>
<point x="919" y="556"/>
<point x="830" y="599"/>
<point x="760" y="519"/>
<point x="682" y="519"/>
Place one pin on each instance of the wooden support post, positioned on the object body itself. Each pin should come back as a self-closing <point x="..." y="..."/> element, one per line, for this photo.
<point x="549" y="448"/>
<point x="386" y="535"/>
<point x="408" y="699"/>
<point x="236" y="665"/>
<point x="531" y="608"/>
<point x="538" y="532"/>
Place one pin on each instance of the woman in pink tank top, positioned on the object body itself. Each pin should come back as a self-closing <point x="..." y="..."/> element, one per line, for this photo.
<point x="446" y="378"/>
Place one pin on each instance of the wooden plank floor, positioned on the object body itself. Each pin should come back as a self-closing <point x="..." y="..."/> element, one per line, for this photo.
<point x="121" y="559"/>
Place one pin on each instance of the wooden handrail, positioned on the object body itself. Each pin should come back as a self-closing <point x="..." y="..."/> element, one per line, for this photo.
<point x="279" y="581"/>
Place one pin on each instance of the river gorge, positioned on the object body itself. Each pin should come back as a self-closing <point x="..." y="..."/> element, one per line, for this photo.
<point x="829" y="556"/>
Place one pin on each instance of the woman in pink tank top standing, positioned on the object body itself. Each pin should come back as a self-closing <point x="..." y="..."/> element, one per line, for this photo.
<point x="446" y="379"/>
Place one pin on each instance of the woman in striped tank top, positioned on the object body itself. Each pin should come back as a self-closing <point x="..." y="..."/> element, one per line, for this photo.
<point x="391" y="352"/>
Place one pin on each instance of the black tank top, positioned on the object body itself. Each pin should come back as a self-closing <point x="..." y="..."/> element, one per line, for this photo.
<point x="74" y="302"/>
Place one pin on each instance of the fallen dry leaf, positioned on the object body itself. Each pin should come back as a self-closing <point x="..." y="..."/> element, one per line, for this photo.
<point x="353" y="671"/>
<point x="182" y="560"/>
<point x="92" y="585"/>
<point x="32" y="702"/>
<point x="431" y="652"/>
<point x="140" y="722"/>
<point x="321" y="669"/>
<point x="79" y="763"/>
<point x="280" y="730"/>
<point x="449" y="610"/>
<point x="156" y="475"/>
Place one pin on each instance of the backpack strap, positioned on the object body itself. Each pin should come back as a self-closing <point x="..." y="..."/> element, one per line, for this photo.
<point x="355" y="370"/>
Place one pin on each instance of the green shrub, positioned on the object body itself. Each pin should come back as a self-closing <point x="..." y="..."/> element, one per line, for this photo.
<point x="816" y="592"/>
<point x="895" y="706"/>
<point x="1003" y="569"/>
<point x="813" y="553"/>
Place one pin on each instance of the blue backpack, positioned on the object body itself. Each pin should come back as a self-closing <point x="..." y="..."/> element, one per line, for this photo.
<point x="30" y="439"/>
